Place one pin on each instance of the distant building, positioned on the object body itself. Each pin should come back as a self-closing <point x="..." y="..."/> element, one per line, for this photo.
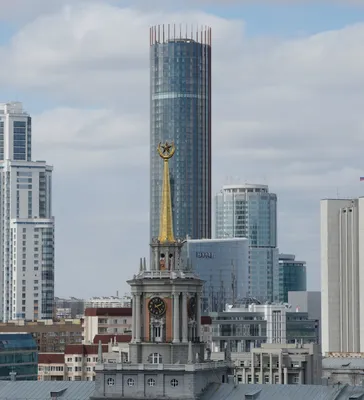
<point x="117" y="321"/>
<point x="69" y="308"/>
<point x="26" y="224"/>
<point x="108" y="302"/>
<point x="292" y="277"/>
<point x="250" y="211"/>
<point x="246" y="328"/>
<point x="285" y="364"/>
<point x="223" y="264"/>
<point x="78" y="362"/>
<point x="18" y="355"/>
<point x="343" y="368"/>
<point x="342" y="283"/>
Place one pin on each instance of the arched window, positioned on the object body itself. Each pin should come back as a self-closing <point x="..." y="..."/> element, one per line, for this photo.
<point x="155" y="358"/>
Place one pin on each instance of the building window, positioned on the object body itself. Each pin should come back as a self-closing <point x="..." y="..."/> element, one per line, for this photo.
<point x="130" y="382"/>
<point x="155" y="358"/>
<point x="151" y="382"/>
<point x="174" y="382"/>
<point x="111" y="381"/>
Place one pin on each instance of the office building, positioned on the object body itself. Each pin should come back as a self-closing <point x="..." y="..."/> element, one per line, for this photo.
<point x="69" y="308"/>
<point x="18" y="357"/>
<point x="26" y="224"/>
<point x="342" y="280"/>
<point x="292" y="277"/>
<point x="223" y="264"/>
<point x="250" y="211"/>
<point x="108" y="302"/>
<point x="180" y="111"/>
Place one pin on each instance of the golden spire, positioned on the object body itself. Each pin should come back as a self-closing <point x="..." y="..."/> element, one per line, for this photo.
<point x="166" y="235"/>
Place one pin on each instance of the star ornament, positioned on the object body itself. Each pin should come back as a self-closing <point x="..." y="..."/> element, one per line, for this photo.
<point x="166" y="148"/>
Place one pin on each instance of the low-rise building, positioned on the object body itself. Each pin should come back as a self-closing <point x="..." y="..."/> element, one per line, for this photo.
<point x="278" y="364"/>
<point x="103" y="321"/>
<point x="18" y="357"/>
<point x="49" y="336"/>
<point x="78" y="362"/>
<point x="109" y="302"/>
<point x="69" y="308"/>
<point x="343" y="368"/>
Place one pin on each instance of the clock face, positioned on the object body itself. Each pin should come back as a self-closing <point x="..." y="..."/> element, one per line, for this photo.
<point x="192" y="306"/>
<point x="157" y="306"/>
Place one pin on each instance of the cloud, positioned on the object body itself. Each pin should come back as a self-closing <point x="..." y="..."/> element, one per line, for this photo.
<point x="287" y="112"/>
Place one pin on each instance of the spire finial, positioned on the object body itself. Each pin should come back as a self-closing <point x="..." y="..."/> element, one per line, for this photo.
<point x="166" y="235"/>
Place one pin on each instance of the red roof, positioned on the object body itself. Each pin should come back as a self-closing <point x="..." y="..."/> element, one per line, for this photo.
<point x="105" y="339"/>
<point x="206" y="320"/>
<point x="84" y="349"/>
<point x="51" y="358"/>
<point x="108" y="312"/>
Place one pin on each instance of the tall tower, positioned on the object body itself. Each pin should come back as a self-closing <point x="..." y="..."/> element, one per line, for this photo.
<point x="26" y="223"/>
<point x="251" y="211"/>
<point x="167" y="355"/>
<point x="180" y="111"/>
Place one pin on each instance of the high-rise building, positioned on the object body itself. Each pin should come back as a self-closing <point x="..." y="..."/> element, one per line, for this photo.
<point x="342" y="277"/>
<point x="224" y="266"/>
<point x="180" y="111"/>
<point x="26" y="224"/>
<point x="292" y="277"/>
<point x="250" y="211"/>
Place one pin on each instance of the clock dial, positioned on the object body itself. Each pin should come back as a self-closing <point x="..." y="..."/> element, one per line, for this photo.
<point x="192" y="307"/>
<point x="157" y="306"/>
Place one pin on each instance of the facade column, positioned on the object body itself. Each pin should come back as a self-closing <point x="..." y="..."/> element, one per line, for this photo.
<point x="261" y="369"/>
<point x="137" y="317"/>
<point x="244" y="376"/>
<point x="176" y="335"/>
<point x="252" y="370"/>
<point x="184" y="318"/>
<point x="280" y="368"/>
<point x="285" y="373"/>
<point x="198" y="317"/>
<point x="271" y="368"/>
<point x="133" y="328"/>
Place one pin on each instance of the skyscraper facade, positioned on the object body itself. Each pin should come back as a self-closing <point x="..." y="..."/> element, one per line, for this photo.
<point x="26" y="223"/>
<point x="180" y="111"/>
<point x="250" y="211"/>
<point x="342" y="277"/>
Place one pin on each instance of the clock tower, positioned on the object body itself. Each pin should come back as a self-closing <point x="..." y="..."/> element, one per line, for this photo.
<point x="166" y="353"/>
<point x="167" y="296"/>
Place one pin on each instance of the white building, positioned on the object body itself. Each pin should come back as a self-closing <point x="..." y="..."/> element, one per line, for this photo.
<point x="250" y="211"/>
<point x="342" y="277"/>
<point x="26" y="225"/>
<point x="108" y="302"/>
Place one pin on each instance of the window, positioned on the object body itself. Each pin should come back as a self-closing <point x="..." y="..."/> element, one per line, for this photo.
<point x="151" y="382"/>
<point x="174" y="382"/>
<point x="130" y="382"/>
<point x="155" y="358"/>
<point x="111" y="381"/>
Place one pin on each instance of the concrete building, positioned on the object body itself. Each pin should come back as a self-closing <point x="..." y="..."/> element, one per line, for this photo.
<point x="49" y="336"/>
<point x="69" y="308"/>
<point x="77" y="362"/>
<point x="109" y="302"/>
<point x="308" y="302"/>
<point x="26" y="224"/>
<point x="246" y="328"/>
<point x="180" y="112"/>
<point x="292" y="276"/>
<point x="343" y="368"/>
<point x="250" y="211"/>
<point x="116" y="321"/>
<point x="223" y="264"/>
<point x="18" y="357"/>
<point x="342" y="279"/>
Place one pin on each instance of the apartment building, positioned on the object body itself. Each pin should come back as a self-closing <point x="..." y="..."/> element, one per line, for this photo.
<point x="49" y="336"/>
<point x="105" y="320"/>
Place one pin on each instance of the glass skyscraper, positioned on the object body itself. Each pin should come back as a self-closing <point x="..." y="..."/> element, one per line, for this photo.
<point x="180" y="111"/>
<point x="250" y="211"/>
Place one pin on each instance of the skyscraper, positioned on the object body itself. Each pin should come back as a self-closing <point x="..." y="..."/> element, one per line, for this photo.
<point x="180" y="111"/>
<point x="342" y="277"/>
<point x="251" y="211"/>
<point x="26" y="224"/>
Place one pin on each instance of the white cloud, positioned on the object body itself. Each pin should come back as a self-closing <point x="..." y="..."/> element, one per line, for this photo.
<point x="285" y="112"/>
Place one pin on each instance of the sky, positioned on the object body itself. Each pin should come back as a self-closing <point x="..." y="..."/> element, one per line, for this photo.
<point x="287" y="93"/>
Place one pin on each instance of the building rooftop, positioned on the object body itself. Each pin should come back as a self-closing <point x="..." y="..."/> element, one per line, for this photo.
<point x="108" y="312"/>
<point x="32" y="390"/>
<point x="343" y="363"/>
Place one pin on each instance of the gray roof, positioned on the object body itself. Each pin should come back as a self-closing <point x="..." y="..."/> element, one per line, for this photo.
<point x="41" y="390"/>
<point x="281" y="392"/>
<point x="343" y="363"/>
